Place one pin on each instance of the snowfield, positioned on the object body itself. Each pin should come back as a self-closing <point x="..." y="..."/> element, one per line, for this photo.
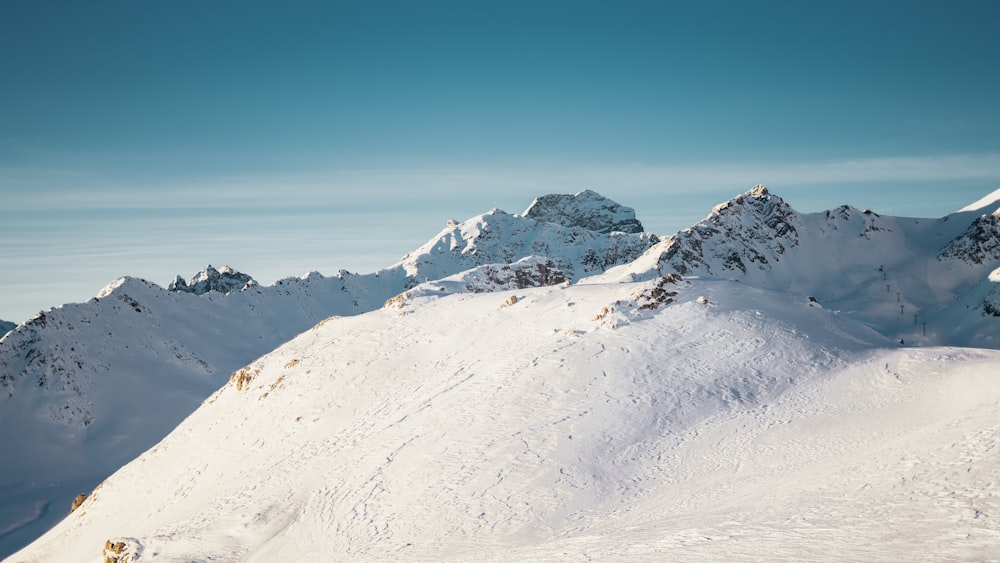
<point x="573" y="423"/>
<point x="551" y="386"/>
<point x="90" y="386"/>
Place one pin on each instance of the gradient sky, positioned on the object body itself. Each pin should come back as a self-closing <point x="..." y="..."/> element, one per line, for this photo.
<point x="150" y="138"/>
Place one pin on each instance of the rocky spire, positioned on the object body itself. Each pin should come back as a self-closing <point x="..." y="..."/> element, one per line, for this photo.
<point x="224" y="280"/>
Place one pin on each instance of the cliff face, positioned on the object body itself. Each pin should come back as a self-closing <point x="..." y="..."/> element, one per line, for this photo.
<point x="223" y="281"/>
<point x="587" y="209"/>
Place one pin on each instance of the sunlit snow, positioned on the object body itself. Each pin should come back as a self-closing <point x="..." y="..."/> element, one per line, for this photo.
<point x="810" y="387"/>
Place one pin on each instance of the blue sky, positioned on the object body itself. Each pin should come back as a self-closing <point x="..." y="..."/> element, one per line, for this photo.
<point x="152" y="138"/>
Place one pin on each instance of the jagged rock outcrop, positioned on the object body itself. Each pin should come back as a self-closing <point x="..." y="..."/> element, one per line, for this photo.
<point x="533" y="271"/>
<point x="122" y="550"/>
<point x="991" y="302"/>
<point x="979" y="244"/>
<point x="528" y="272"/>
<point x="849" y="217"/>
<point x="224" y="280"/>
<point x="587" y="209"/>
<point x="78" y="501"/>
<point x="752" y="230"/>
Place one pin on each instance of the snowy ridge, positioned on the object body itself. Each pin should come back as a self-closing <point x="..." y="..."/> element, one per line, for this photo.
<point x="123" y="369"/>
<point x="498" y="237"/>
<point x="101" y="381"/>
<point x="729" y="422"/>
<point x="989" y="202"/>
<point x="894" y="273"/>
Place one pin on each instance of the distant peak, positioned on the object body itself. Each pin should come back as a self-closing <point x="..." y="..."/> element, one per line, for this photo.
<point x="223" y="280"/>
<point x="586" y="209"/>
<point x="106" y="290"/>
<point x="758" y="197"/>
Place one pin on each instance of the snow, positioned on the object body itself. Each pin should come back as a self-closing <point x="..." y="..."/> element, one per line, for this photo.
<point x="751" y="427"/>
<point x="812" y="384"/>
<point x="986" y="201"/>
<point x="94" y="384"/>
<point x="858" y="262"/>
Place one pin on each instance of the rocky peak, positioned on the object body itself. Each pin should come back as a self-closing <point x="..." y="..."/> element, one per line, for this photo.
<point x="752" y="231"/>
<point x="224" y="280"/>
<point x="587" y="209"/>
<point x="979" y="244"/>
<point x="759" y="213"/>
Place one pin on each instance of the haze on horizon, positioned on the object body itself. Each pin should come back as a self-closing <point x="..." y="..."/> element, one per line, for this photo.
<point x="151" y="139"/>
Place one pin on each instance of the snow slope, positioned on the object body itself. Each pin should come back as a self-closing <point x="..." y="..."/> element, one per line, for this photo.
<point x="89" y="386"/>
<point x="92" y="385"/>
<point x="920" y="280"/>
<point x="660" y="420"/>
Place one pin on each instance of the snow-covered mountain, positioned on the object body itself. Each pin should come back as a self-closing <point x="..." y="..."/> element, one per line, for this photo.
<point x="746" y="320"/>
<point x="920" y="280"/>
<point x="669" y="419"/>
<point x="94" y="384"/>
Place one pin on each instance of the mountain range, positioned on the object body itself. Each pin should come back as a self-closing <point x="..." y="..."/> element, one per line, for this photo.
<point x="553" y="383"/>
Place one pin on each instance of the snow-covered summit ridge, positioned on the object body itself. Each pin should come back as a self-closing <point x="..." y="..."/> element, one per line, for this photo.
<point x="575" y="422"/>
<point x="990" y="200"/>
<point x="749" y="232"/>
<point x="893" y="272"/>
<point x="223" y="280"/>
<point x="498" y="237"/>
<point x="587" y="209"/>
<point x="82" y="374"/>
<point x="77" y="370"/>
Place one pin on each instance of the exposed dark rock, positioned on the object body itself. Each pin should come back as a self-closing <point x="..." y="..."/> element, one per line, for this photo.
<point x="587" y="209"/>
<point x="980" y="243"/>
<point x="224" y="280"/>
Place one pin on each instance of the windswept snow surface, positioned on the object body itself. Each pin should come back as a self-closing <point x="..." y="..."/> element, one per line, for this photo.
<point x="647" y="421"/>
<point x="89" y="386"/>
